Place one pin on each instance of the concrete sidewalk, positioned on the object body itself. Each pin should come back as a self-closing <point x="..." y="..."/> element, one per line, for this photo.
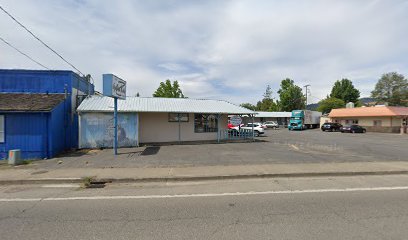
<point x="16" y="175"/>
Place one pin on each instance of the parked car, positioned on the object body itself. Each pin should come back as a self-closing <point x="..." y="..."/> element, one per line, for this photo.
<point x="353" y="129"/>
<point x="271" y="124"/>
<point x="258" y="124"/>
<point x="258" y="129"/>
<point x="230" y="126"/>
<point x="331" y="127"/>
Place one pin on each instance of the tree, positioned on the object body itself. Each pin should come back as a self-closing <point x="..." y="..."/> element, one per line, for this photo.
<point x="344" y="89"/>
<point x="267" y="104"/>
<point x="167" y="90"/>
<point x="248" y="106"/>
<point x="291" y="96"/>
<point x="326" y="105"/>
<point x="392" y="88"/>
<point x="268" y="92"/>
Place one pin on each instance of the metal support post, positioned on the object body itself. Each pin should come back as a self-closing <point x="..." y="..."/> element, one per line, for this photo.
<point x="218" y="128"/>
<point x="179" y="128"/>
<point x="115" y="126"/>
<point x="253" y="132"/>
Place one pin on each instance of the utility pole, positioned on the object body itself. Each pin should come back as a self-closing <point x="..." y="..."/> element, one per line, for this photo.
<point x="306" y="90"/>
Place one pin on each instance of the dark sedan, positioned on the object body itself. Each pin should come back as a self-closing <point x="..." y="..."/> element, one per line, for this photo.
<point x="331" y="127"/>
<point x="353" y="129"/>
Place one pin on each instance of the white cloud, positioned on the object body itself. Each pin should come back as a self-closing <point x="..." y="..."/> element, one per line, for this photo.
<point x="216" y="49"/>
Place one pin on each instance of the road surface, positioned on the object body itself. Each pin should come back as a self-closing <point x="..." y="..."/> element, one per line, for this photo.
<point x="373" y="207"/>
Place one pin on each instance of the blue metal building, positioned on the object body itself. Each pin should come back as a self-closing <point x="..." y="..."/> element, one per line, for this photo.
<point x="38" y="111"/>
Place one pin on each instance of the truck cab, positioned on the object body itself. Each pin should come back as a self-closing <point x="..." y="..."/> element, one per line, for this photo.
<point x="296" y="120"/>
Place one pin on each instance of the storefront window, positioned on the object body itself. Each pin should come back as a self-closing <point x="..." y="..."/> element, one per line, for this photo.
<point x="174" y="117"/>
<point x="205" y="123"/>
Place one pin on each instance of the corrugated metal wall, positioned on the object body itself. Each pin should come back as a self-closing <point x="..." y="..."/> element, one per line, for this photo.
<point x="63" y="121"/>
<point x="25" y="131"/>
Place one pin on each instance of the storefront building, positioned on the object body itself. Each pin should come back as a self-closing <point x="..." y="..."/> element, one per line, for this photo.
<point x="38" y="111"/>
<point x="375" y="119"/>
<point x="153" y="120"/>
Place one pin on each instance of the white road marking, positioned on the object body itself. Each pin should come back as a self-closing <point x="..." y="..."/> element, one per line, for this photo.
<point x="294" y="147"/>
<point x="124" y="197"/>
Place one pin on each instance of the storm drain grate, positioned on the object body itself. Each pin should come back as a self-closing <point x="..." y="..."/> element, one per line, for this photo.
<point x="97" y="185"/>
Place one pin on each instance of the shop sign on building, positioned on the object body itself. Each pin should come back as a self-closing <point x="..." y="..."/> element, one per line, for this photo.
<point x="235" y="120"/>
<point x="114" y="86"/>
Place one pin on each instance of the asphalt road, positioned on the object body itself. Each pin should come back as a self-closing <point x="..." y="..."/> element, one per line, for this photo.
<point x="278" y="146"/>
<point x="303" y="208"/>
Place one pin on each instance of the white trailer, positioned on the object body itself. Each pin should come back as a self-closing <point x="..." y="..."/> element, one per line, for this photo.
<point x="312" y="119"/>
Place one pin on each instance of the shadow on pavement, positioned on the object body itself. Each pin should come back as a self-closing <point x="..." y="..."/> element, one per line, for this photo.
<point x="150" y="151"/>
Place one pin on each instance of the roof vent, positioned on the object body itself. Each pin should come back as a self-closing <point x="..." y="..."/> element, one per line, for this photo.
<point x="350" y="105"/>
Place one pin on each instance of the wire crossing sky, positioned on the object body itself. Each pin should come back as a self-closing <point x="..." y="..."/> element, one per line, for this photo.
<point x="228" y="50"/>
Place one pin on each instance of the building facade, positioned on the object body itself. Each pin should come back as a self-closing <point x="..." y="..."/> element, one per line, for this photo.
<point x="385" y="119"/>
<point x="153" y="120"/>
<point x="38" y="111"/>
<point x="281" y="118"/>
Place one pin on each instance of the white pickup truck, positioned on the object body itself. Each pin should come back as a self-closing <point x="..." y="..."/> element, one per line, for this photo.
<point x="258" y="128"/>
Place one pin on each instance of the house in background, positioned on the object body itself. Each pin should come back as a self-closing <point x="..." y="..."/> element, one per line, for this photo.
<point x="375" y="119"/>
<point x="38" y="111"/>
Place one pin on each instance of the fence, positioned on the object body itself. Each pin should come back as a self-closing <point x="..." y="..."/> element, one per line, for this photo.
<point x="233" y="134"/>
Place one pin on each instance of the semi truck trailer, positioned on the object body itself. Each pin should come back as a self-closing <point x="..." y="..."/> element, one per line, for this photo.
<point x="304" y="119"/>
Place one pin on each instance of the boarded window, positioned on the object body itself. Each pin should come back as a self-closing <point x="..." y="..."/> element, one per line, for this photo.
<point x="2" y="137"/>
<point x="377" y="123"/>
<point x="175" y="117"/>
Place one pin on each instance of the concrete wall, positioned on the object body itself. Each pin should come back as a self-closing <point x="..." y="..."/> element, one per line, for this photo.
<point x="155" y="127"/>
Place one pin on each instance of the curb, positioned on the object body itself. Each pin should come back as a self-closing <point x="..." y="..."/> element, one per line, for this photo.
<point x="41" y="181"/>
<point x="199" y="178"/>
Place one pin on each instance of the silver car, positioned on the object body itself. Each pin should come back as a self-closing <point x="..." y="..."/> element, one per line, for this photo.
<point x="271" y="124"/>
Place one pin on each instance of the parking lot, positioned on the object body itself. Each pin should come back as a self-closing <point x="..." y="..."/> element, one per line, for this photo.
<point x="277" y="146"/>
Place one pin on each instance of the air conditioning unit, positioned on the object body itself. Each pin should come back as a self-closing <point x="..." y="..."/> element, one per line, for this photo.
<point x="14" y="157"/>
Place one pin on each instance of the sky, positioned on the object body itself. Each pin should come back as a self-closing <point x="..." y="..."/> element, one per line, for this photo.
<point x="229" y="50"/>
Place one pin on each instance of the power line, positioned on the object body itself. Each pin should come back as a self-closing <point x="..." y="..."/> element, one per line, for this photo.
<point x="32" y="34"/>
<point x="23" y="53"/>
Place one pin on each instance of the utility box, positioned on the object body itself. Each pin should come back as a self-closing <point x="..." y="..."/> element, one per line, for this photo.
<point x="14" y="157"/>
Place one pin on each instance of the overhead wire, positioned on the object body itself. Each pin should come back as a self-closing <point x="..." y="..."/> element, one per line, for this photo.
<point x="18" y="50"/>
<point x="46" y="45"/>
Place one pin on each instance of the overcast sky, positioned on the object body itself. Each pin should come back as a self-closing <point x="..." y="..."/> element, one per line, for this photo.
<point x="226" y="50"/>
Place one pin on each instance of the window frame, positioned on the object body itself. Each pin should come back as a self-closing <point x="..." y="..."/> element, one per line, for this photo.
<point x="375" y="123"/>
<point x="205" y="123"/>
<point x="2" y="128"/>
<point x="183" y="117"/>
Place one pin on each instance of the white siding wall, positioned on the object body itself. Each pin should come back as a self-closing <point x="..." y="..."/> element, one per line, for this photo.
<point x="155" y="127"/>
